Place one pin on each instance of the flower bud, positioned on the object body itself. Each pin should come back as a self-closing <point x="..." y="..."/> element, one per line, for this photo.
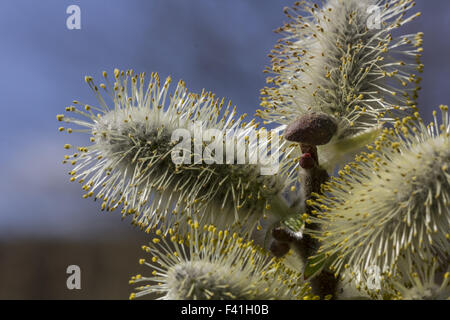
<point x="313" y="128"/>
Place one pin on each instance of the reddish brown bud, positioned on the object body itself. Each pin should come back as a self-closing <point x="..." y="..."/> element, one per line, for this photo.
<point x="307" y="161"/>
<point x="314" y="129"/>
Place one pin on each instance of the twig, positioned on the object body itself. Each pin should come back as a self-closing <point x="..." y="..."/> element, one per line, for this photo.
<point x="309" y="131"/>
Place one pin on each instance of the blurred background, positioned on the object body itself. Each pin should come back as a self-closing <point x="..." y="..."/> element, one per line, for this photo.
<point x="221" y="46"/>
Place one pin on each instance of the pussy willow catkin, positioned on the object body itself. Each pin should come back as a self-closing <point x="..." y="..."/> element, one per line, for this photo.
<point x="213" y="264"/>
<point x="129" y="165"/>
<point x="343" y="59"/>
<point x="392" y="201"/>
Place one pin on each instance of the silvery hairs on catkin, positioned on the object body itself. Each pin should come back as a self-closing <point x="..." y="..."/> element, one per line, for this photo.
<point x="416" y="279"/>
<point x="129" y="164"/>
<point x="412" y="279"/>
<point x="343" y="59"/>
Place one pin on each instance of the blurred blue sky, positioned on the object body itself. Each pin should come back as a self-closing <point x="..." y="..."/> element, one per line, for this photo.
<point x="214" y="44"/>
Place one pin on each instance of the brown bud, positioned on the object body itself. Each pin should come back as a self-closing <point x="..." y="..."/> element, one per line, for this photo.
<point x="313" y="128"/>
<point x="279" y="249"/>
<point x="282" y="234"/>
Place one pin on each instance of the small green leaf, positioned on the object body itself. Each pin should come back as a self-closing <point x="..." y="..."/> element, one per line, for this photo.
<point x="294" y="223"/>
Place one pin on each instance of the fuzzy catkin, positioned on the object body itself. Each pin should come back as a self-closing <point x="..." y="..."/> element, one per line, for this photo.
<point x="417" y="279"/>
<point x="129" y="164"/>
<point x="344" y="60"/>
<point x="210" y="264"/>
<point x="391" y="201"/>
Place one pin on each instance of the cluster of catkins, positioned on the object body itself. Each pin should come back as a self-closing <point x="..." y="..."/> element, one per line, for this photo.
<point x="362" y="189"/>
